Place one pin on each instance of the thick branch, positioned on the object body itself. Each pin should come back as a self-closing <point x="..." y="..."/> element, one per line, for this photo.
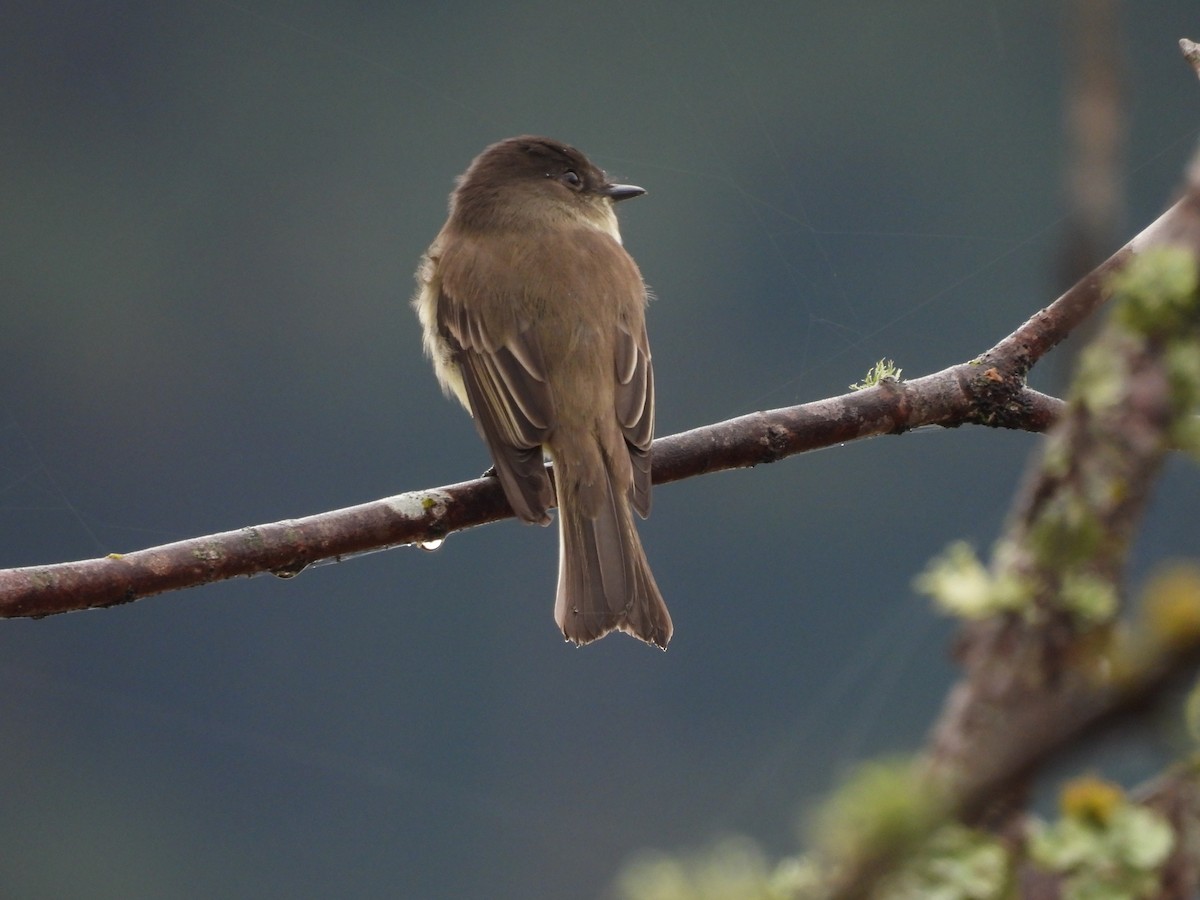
<point x="1037" y="675"/>
<point x="1075" y="519"/>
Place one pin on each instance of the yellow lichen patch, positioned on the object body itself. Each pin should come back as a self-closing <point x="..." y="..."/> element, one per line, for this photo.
<point x="1090" y="799"/>
<point x="1171" y="605"/>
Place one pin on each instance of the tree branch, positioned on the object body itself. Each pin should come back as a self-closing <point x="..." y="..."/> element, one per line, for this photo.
<point x="989" y="391"/>
<point x="1043" y="666"/>
<point x="1074" y="520"/>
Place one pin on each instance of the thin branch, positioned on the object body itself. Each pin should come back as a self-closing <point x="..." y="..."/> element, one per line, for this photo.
<point x="953" y="397"/>
<point x="989" y="391"/>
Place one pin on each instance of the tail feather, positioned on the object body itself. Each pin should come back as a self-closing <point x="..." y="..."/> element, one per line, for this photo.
<point x="604" y="580"/>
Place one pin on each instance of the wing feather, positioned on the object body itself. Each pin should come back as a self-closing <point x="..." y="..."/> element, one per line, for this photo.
<point x="510" y="402"/>
<point x="635" y="406"/>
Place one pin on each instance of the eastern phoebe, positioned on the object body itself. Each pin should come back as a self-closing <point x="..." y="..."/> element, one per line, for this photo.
<point x="534" y="317"/>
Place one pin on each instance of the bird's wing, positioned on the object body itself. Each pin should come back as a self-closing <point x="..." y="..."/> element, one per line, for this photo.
<point x="635" y="405"/>
<point x="510" y="401"/>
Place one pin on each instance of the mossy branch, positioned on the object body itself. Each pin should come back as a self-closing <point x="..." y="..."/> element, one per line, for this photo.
<point x="1043" y="655"/>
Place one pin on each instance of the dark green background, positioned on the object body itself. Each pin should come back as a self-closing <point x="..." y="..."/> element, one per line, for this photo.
<point x="209" y="217"/>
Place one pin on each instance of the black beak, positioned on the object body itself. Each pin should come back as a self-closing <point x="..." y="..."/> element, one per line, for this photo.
<point x="618" y="192"/>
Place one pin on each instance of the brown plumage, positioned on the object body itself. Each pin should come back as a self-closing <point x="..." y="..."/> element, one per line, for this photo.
<point x="534" y="317"/>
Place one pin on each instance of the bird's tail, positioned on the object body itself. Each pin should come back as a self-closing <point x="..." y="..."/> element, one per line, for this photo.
<point x="604" y="580"/>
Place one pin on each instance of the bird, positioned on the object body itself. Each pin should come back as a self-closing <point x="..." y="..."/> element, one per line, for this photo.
<point x="533" y="315"/>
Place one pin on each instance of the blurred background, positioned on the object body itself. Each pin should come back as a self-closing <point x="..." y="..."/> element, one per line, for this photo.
<point x="209" y="218"/>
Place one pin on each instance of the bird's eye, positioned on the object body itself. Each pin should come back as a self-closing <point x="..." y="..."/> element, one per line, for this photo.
<point x="571" y="179"/>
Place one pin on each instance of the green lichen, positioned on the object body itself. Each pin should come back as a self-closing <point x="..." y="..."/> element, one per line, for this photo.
<point x="1066" y="534"/>
<point x="883" y="807"/>
<point x="956" y="864"/>
<point x="883" y="370"/>
<point x="1101" y="382"/>
<point x="734" y="869"/>
<point x="1092" y="600"/>
<point x="1056" y="460"/>
<point x="961" y="586"/>
<point x="1156" y="292"/>
<point x="1116" y="855"/>
<point x="1183" y="368"/>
